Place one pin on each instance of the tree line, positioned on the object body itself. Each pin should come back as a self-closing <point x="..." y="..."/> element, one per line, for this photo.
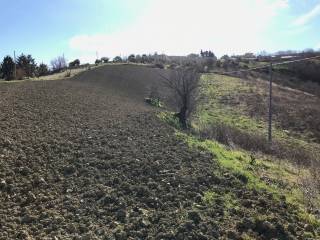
<point x="25" y="66"/>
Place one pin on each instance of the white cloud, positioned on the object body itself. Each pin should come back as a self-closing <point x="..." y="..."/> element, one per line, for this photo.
<point x="307" y="17"/>
<point x="179" y="27"/>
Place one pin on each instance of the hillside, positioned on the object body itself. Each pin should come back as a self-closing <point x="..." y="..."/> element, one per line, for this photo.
<point x="86" y="158"/>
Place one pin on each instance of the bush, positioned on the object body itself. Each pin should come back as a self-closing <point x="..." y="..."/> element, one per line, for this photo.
<point x="75" y="63"/>
<point x="117" y="59"/>
<point x="42" y="70"/>
<point x="105" y="60"/>
<point x="232" y="136"/>
<point x="159" y="65"/>
<point x="58" y="63"/>
<point x="154" y="102"/>
<point x="132" y="58"/>
<point x="68" y="73"/>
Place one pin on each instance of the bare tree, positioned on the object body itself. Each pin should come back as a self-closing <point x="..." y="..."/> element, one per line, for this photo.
<point x="183" y="84"/>
<point x="58" y="63"/>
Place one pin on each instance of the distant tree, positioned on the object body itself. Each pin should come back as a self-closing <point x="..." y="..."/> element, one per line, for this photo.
<point x="144" y="58"/>
<point x="308" y="50"/>
<point x="225" y="57"/>
<point x="193" y="55"/>
<point x="58" y="63"/>
<point x="132" y="58"/>
<point x="7" y="68"/>
<point x="27" y="64"/>
<point x="206" y="54"/>
<point x="249" y="55"/>
<point x="183" y="83"/>
<point x="42" y="70"/>
<point x="218" y="63"/>
<point x="75" y="63"/>
<point x="209" y="62"/>
<point x="138" y="58"/>
<point x="105" y="59"/>
<point x="98" y="61"/>
<point x="117" y="59"/>
<point x="263" y="54"/>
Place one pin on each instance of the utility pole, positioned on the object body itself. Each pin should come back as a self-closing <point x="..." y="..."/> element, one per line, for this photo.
<point x="270" y="105"/>
<point x="15" y="67"/>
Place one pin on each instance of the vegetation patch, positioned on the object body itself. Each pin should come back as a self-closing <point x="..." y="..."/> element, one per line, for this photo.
<point x="259" y="174"/>
<point x="156" y="102"/>
<point x="234" y="111"/>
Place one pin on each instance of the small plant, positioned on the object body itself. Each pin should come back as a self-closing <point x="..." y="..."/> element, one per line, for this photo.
<point x="252" y="160"/>
<point x="170" y="118"/>
<point x="154" y="102"/>
<point x="68" y="73"/>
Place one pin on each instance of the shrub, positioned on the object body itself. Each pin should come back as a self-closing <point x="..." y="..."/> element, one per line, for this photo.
<point x="159" y="65"/>
<point x="104" y="59"/>
<point x="58" y="63"/>
<point x="68" y="73"/>
<point x="42" y="70"/>
<point x="117" y="59"/>
<point x="154" y="102"/>
<point x="132" y="58"/>
<point x="232" y="136"/>
<point x="75" y="63"/>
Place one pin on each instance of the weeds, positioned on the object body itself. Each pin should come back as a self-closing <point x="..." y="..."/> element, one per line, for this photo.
<point x="68" y="73"/>
<point x="154" y="102"/>
<point x="260" y="174"/>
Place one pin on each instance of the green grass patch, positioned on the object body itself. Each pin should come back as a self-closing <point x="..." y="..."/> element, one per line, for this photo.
<point x="154" y="102"/>
<point x="170" y="118"/>
<point x="222" y="102"/>
<point x="240" y="162"/>
<point x="263" y="172"/>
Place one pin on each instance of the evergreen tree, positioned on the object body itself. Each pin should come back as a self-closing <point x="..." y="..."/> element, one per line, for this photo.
<point x="7" y="68"/>
<point x="27" y="63"/>
<point x="42" y="69"/>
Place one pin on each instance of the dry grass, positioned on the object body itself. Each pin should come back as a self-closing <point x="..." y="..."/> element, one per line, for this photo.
<point x="255" y="142"/>
<point x="240" y="108"/>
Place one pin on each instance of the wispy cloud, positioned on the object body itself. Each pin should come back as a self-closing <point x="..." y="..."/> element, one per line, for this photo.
<point x="307" y="17"/>
<point x="182" y="27"/>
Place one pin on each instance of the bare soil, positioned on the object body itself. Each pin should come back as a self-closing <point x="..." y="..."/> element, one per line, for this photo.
<point x="86" y="158"/>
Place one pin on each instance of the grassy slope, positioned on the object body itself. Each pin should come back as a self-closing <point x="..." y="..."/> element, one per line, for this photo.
<point x="223" y="102"/>
<point x="242" y="104"/>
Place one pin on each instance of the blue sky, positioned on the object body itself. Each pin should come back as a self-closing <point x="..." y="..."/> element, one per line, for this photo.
<point x="79" y="28"/>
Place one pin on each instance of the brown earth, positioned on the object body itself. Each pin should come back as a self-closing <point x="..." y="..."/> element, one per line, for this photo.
<point x="86" y="158"/>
